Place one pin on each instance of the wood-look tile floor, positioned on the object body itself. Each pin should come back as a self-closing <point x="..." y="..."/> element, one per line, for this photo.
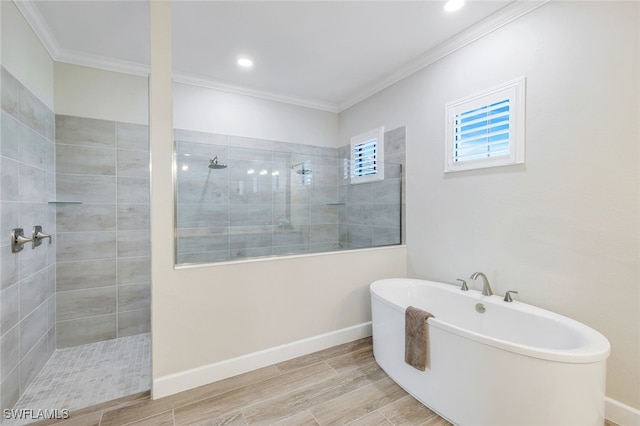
<point x="338" y="386"/>
<point x="342" y="385"/>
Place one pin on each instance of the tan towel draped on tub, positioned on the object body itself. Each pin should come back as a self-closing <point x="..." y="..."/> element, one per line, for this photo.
<point x="415" y="337"/>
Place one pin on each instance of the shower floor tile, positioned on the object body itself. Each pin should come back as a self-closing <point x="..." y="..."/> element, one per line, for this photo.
<point x="87" y="375"/>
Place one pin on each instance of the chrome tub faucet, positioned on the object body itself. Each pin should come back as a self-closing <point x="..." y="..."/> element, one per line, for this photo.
<point x="486" y="288"/>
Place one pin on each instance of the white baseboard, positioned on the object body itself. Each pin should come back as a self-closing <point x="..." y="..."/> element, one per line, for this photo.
<point x="620" y="413"/>
<point x="185" y="380"/>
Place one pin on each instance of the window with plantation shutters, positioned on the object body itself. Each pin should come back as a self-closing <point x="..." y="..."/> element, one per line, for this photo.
<point x="367" y="156"/>
<point x="486" y="130"/>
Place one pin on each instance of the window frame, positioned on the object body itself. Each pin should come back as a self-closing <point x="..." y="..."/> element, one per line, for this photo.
<point x="378" y="135"/>
<point x="515" y="92"/>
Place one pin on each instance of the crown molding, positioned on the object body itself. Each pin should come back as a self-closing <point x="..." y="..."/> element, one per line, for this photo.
<point x="39" y="25"/>
<point x="102" y="62"/>
<point x="493" y="22"/>
<point x="242" y="90"/>
<point x="502" y="17"/>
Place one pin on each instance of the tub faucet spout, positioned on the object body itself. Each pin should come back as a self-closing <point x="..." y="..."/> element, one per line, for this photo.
<point x="486" y="288"/>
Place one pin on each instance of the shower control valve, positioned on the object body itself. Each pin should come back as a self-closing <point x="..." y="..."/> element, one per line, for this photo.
<point x="18" y="240"/>
<point x="38" y="236"/>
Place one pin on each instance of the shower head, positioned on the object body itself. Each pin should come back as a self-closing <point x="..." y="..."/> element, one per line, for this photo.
<point x="213" y="164"/>
<point x="302" y="171"/>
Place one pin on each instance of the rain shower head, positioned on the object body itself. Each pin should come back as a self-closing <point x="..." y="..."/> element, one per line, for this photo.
<point x="213" y="164"/>
<point x="302" y="171"/>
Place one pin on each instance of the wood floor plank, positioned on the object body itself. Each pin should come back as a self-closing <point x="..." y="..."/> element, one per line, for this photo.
<point x="372" y="419"/>
<point x="304" y="418"/>
<point x="238" y="398"/>
<point x="147" y="408"/>
<point x="324" y="355"/>
<point x="351" y="359"/>
<point x="88" y="419"/>
<point x="408" y="411"/>
<point x="337" y="386"/>
<point x="162" y="419"/>
<point x="274" y="409"/>
<point x="356" y="404"/>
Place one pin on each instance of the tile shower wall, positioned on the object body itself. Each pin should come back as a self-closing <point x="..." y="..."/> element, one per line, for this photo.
<point x="103" y="278"/>
<point x="372" y="214"/>
<point x="28" y="278"/>
<point x="259" y="205"/>
<point x="277" y="198"/>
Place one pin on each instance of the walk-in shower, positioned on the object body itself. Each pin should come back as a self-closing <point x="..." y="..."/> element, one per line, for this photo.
<point x="279" y="198"/>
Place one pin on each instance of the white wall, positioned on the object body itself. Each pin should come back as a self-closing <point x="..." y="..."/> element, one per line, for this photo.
<point x="95" y="93"/>
<point x="216" y="111"/>
<point x="24" y="56"/>
<point x="563" y="229"/>
<point x="108" y="95"/>
<point x="220" y="315"/>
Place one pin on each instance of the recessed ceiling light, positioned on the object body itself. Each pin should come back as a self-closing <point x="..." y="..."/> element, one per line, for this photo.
<point x="245" y="62"/>
<point x="453" y="5"/>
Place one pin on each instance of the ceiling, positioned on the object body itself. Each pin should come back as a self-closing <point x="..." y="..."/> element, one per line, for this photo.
<point x="323" y="54"/>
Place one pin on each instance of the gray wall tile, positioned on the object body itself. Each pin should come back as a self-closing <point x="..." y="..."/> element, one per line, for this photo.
<point x="201" y="215"/>
<point x="86" y="245"/>
<point x="133" y="163"/>
<point x="86" y="217"/>
<point x="10" y="136"/>
<point x="10" y="390"/>
<point x="385" y="236"/>
<point x="9" y="93"/>
<point x="9" y="219"/>
<point x="132" y="136"/>
<point x="134" y="297"/>
<point x="73" y="130"/>
<point x="76" y="304"/>
<point x="252" y="143"/>
<point x="10" y="304"/>
<point x="85" y="160"/>
<point x="33" y="184"/>
<point x="9" y="351"/>
<point x="86" y="330"/>
<point x="133" y="217"/>
<point x="9" y="187"/>
<point x="134" y="322"/>
<point x="200" y="137"/>
<point x="194" y="240"/>
<point x="33" y="148"/>
<point x="33" y="328"/>
<point x="87" y="189"/>
<point x="28" y="282"/>
<point x="133" y="243"/>
<point x="33" y="291"/>
<point x="32" y="362"/>
<point x="76" y="275"/>
<point x="133" y="190"/>
<point x="245" y="237"/>
<point x="133" y="270"/>
<point x="32" y="112"/>
<point x="386" y="215"/>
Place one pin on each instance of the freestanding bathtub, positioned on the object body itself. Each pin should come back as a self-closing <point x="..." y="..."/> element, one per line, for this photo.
<point x="513" y="364"/>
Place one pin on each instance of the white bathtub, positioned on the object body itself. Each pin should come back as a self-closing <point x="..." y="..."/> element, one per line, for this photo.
<point x="514" y="364"/>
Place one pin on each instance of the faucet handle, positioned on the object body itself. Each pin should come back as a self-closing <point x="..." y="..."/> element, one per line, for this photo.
<point x="507" y="297"/>
<point x="464" y="284"/>
<point x="38" y="236"/>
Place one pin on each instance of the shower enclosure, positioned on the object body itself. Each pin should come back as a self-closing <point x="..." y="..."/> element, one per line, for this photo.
<point x="241" y="198"/>
<point x="74" y="310"/>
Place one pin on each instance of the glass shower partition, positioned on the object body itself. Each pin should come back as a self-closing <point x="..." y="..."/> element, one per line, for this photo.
<point x="240" y="198"/>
